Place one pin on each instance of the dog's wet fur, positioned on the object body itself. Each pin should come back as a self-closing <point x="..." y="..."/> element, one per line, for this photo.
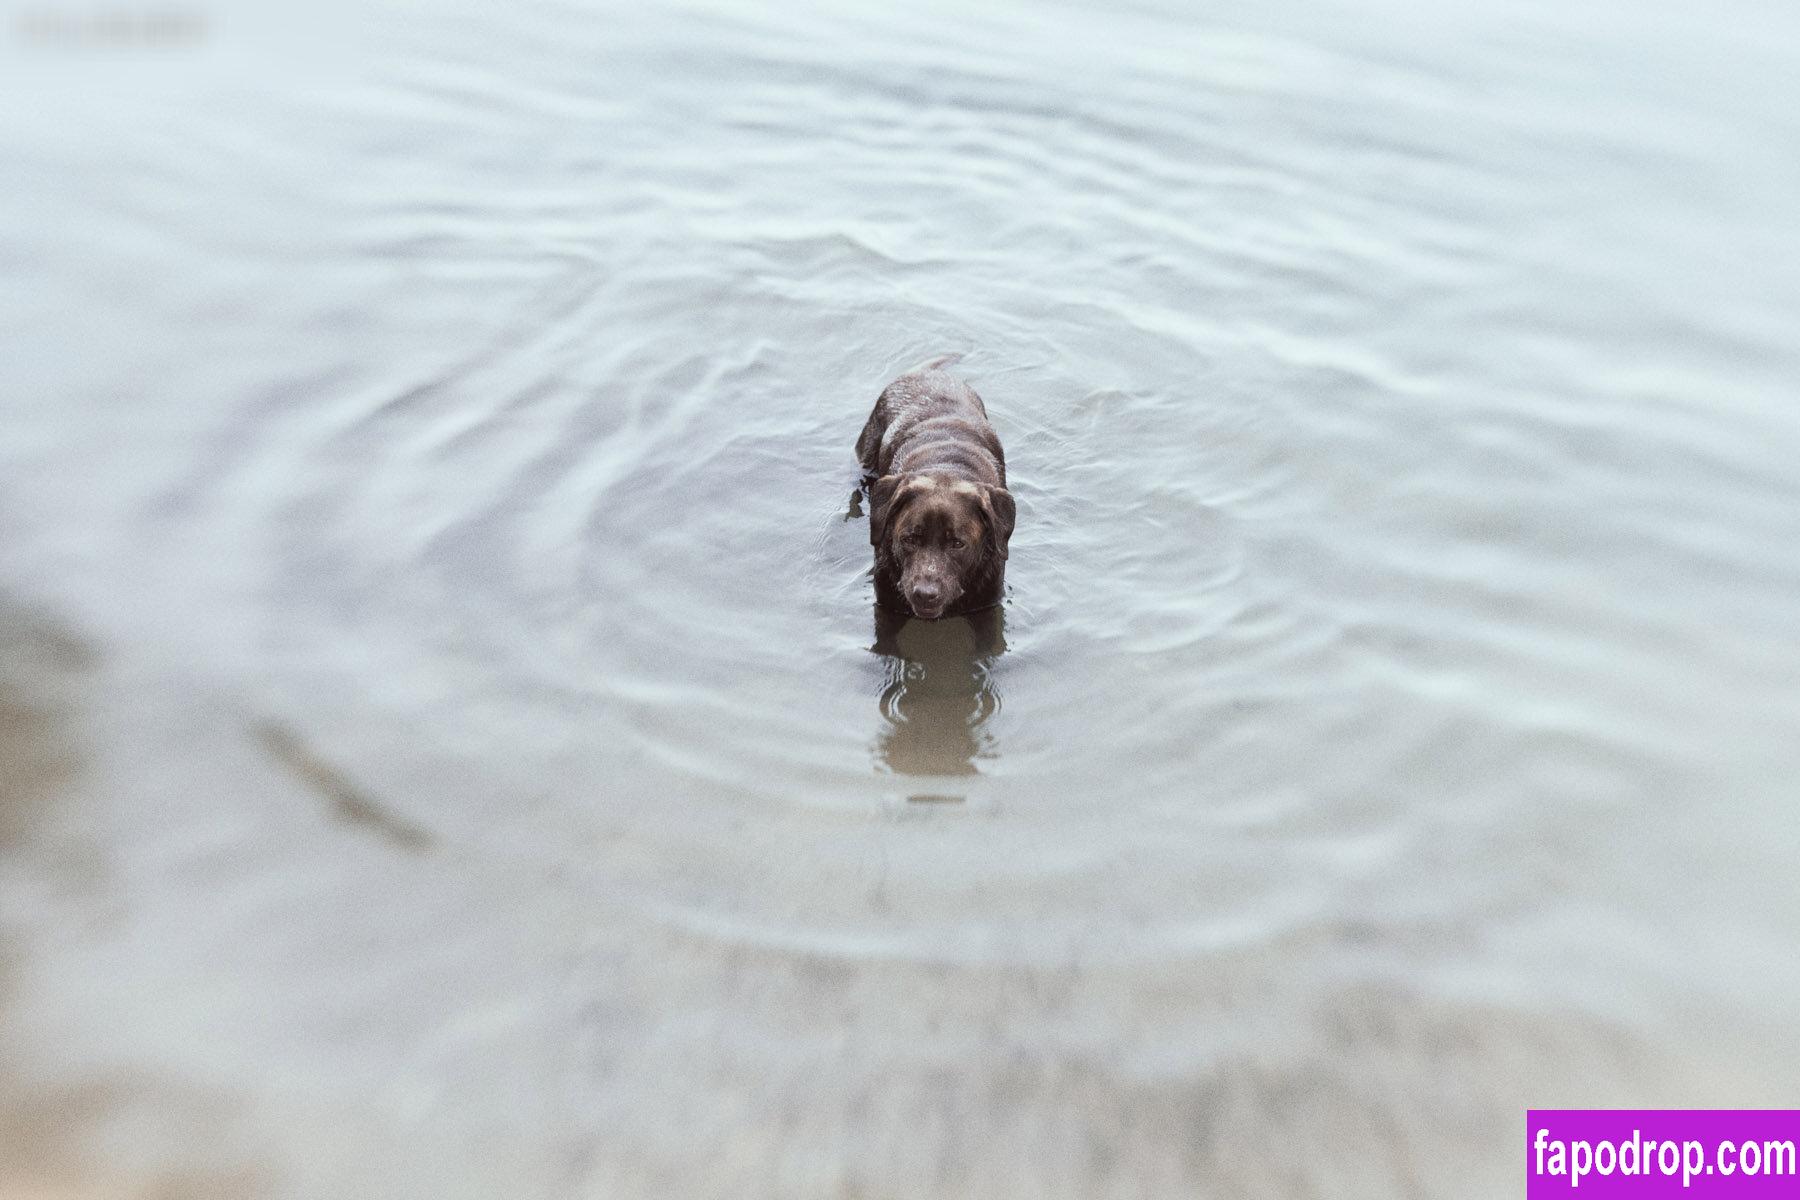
<point x="940" y="516"/>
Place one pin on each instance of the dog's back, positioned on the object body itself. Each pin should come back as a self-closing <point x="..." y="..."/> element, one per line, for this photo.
<point x="929" y="420"/>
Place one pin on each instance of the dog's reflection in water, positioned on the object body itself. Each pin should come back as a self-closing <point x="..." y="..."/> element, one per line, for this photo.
<point x="939" y="692"/>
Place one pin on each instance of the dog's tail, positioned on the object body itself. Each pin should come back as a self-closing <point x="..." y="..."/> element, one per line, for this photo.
<point x="942" y="360"/>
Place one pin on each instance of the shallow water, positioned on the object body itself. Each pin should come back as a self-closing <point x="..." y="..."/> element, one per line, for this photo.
<point x="451" y="748"/>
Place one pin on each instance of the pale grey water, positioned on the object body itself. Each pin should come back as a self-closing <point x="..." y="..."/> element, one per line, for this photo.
<point x="448" y="746"/>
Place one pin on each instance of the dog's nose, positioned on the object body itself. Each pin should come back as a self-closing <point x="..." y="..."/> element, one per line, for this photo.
<point x="927" y="595"/>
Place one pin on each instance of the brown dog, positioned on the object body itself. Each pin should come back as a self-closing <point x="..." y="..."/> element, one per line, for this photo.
<point x="939" y="512"/>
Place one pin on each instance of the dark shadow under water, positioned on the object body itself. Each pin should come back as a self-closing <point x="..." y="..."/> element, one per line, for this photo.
<point x="938" y="693"/>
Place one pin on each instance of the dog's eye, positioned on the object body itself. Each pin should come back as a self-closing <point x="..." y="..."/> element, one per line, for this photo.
<point x="956" y="543"/>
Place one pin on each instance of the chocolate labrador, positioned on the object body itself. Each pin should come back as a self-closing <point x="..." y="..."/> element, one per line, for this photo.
<point x="939" y="512"/>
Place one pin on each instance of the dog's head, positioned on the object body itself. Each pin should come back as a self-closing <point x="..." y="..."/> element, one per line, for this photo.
<point x="939" y="535"/>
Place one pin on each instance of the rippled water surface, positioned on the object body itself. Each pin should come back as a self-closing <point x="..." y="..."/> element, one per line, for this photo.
<point x="448" y="746"/>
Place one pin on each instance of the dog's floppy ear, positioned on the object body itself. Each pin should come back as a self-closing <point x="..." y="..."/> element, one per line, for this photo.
<point x="887" y="496"/>
<point x="1001" y="512"/>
